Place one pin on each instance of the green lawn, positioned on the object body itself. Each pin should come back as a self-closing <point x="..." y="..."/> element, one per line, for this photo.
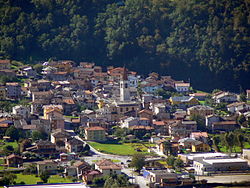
<point x="32" y="179"/>
<point x="120" y="149"/>
<point x="13" y="144"/>
<point x="235" y="149"/>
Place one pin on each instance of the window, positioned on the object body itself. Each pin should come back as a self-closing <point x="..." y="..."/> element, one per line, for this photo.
<point x="126" y="85"/>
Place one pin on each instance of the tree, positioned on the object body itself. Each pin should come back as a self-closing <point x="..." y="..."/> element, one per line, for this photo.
<point x="8" y="149"/>
<point x="138" y="161"/>
<point x="229" y="140"/>
<point x="240" y="140"/>
<point x="178" y="164"/>
<point x="242" y="120"/>
<point x="44" y="176"/>
<point x="243" y="97"/>
<point x="24" y="144"/>
<point x="171" y="160"/>
<point x="38" y="135"/>
<point x="13" y="133"/>
<point x="216" y="141"/>
<point x="7" y="179"/>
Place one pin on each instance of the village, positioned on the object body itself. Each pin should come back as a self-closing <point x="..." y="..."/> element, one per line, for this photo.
<point x="65" y="122"/>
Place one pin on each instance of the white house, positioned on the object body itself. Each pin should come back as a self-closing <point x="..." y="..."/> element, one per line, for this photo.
<point x="129" y="122"/>
<point x="22" y="111"/>
<point x="225" y="97"/>
<point x="107" y="167"/>
<point x="238" y="106"/>
<point x="182" y="87"/>
<point x="133" y="80"/>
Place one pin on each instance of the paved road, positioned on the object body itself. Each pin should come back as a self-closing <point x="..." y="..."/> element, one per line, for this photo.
<point x="140" y="180"/>
<point x="98" y="156"/>
<point x="225" y="179"/>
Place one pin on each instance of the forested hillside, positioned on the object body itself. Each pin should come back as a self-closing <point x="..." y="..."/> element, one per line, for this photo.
<point x="204" y="40"/>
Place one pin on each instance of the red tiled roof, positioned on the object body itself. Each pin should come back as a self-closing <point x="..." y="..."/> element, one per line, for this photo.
<point x="96" y="128"/>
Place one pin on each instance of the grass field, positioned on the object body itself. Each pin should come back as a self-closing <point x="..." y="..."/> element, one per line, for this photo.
<point x="3" y="144"/>
<point x="32" y="179"/>
<point x="235" y="149"/>
<point x="120" y="149"/>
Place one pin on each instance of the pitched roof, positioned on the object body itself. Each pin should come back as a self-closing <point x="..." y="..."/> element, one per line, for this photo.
<point x="96" y="128"/>
<point x="4" y="61"/>
<point x="108" y="164"/>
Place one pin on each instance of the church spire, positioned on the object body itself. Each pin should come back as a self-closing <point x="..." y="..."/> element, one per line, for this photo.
<point x="124" y="73"/>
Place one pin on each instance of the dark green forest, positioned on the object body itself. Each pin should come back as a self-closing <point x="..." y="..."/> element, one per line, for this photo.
<point x="206" y="41"/>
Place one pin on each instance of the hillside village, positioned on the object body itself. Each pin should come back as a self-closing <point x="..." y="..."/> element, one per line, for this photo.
<point x="81" y="122"/>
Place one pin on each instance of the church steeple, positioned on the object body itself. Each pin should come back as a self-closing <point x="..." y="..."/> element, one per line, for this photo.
<point x="124" y="86"/>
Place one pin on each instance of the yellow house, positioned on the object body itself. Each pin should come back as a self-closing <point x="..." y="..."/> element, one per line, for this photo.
<point x="2" y="93"/>
<point x="48" y="109"/>
<point x="200" y="147"/>
<point x="183" y="100"/>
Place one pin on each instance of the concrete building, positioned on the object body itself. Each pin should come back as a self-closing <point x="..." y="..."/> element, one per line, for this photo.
<point x="95" y="133"/>
<point x="219" y="165"/>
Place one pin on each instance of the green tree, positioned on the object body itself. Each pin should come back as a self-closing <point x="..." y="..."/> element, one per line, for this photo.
<point x="138" y="161"/>
<point x="13" y="133"/>
<point x="7" y="179"/>
<point x="38" y="135"/>
<point x="178" y="164"/>
<point x="171" y="160"/>
<point x="240" y="140"/>
<point x="242" y="120"/>
<point x="44" y="176"/>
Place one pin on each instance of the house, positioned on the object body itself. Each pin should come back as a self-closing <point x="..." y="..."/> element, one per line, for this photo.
<point x="59" y="138"/>
<point x="210" y="119"/>
<point x="161" y="177"/>
<point x="74" y="145"/>
<point x="95" y="133"/>
<point x="199" y="96"/>
<point x="43" y="148"/>
<point x="166" y="147"/>
<point x="237" y="107"/>
<point x="186" y="143"/>
<point x="225" y="126"/>
<point x="200" y="147"/>
<point x="200" y="110"/>
<point x="68" y="156"/>
<point x="160" y="127"/>
<point x="129" y="121"/>
<point x="3" y="93"/>
<point x="54" y="113"/>
<point x="44" y="96"/>
<point x="107" y="167"/>
<point x="183" y="101"/>
<point x="182" y="129"/>
<point x="14" y="160"/>
<point x="69" y="105"/>
<point x="226" y="97"/>
<point x="4" y="64"/>
<point x="160" y="111"/>
<point x="22" y="111"/>
<point x="201" y="136"/>
<point x="219" y="165"/>
<point x="13" y="90"/>
<point x="49" y="166"/>
<point x="146" y="114"/>
<point x="182" y="87"/>
<point x="151" y="87"/>
<point x="89" y="176"/>
<point x="81" y="168"/>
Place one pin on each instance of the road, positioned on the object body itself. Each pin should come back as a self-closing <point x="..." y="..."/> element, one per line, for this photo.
<point x="123" y="159"/>
<point x="225" y="179"/>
